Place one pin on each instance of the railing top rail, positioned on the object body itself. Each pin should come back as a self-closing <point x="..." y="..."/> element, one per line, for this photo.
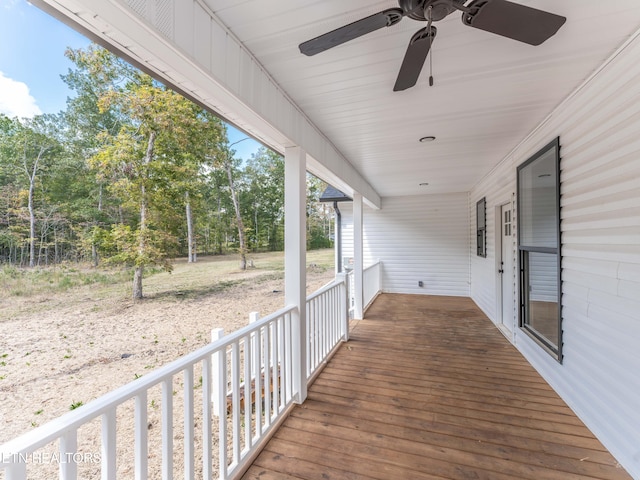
<point x="329" y="286"/>
<point x="377" y="263"/>
<point x="52" y="430"/>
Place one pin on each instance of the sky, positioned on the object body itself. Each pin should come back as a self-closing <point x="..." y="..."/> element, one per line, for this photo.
<point x="32" y="46"/>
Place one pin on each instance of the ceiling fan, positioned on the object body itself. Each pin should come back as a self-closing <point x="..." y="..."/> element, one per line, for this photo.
<point x="508" y="19"/>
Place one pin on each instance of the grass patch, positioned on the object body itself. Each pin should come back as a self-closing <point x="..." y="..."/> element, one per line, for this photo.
<point x="196" y="291"/>
<point x="25" y="282"/>
<point x="188" y="281"/>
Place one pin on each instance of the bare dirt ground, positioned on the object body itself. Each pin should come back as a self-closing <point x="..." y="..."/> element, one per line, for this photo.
<point x="63" y="349"/>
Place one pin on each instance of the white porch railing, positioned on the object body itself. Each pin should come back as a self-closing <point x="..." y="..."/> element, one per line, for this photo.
<point x="371" y="283"/>
<point x="256" y="365"/>
<point x="350" y="295"/>
<point x="327" y="322"/>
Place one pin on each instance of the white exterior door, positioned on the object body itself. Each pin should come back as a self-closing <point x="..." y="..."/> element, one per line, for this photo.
<point x="506" y="269"/>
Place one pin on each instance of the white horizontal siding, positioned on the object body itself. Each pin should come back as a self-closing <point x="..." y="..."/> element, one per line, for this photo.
<point x="600" y="224"/>
<point x="417" y="238"/>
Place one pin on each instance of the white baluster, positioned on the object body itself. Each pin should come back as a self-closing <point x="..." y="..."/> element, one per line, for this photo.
<point x="68" y="448"/>
<point x="109" y="445"/>
<point x="141" y="437"/>
<point x="167" y="429"/>
<point x="189" y="471"/>
<point x="216" y="386"/>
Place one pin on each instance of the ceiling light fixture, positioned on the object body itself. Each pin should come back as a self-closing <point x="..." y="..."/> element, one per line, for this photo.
<point x="430" y="138"/>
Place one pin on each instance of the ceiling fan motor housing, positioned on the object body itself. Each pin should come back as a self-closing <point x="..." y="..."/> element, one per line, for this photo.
<point x="439" y="8"/>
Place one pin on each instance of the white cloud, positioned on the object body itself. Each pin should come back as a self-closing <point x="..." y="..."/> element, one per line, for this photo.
<point x="15" y="99"/>
<point x="10" y="4"/>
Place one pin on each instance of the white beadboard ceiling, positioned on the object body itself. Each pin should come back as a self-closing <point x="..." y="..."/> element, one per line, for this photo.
<point x="490" y="92"/>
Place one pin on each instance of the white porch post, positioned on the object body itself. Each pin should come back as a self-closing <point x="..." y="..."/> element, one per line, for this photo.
<point x="358" y="261"/>
<point x="295" y="255"/>
<point x="336" y="250"/>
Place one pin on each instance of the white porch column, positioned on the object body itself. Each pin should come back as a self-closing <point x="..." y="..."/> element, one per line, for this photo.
<point x="358" y="261"/>
<point x="295" y="259"/>
<point x="336" y="250"/>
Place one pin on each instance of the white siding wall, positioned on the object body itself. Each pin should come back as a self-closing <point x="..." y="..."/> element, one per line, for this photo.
<point x="418" y="238"/>
<point x="599" y="129"/>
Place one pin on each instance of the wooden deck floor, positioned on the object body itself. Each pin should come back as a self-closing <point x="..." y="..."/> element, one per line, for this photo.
<point x="427" y="388"/>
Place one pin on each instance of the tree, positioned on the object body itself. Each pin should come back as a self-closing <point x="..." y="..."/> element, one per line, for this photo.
<point x="29" y="147"/>
<point x="318" y="217"/>
<point x="96" y="73"/>
<point x="204" y="148"/>
<point x="218" y="217"/>
<point x="141" y="159"/>
<point x="264" y="204"/>
<point x="242" y="248"/>
<point x="131" y="173"/>
<point x="226" y="160"/>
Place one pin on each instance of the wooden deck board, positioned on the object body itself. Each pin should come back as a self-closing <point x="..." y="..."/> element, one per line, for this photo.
<point x="428" y="388"/>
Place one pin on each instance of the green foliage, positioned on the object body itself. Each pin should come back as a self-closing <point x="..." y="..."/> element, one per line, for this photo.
<point x="75" y="405"/>
<point x="109" y="181"/>
<point x="318" y="216"/>
<point x="263" y="200"/>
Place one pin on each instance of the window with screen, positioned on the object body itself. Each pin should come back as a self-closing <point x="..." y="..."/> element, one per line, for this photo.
<point x="539" y="247"/>
<point x="481" y="227"/>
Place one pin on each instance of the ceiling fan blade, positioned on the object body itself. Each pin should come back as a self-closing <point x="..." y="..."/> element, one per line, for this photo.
<point x="414" y="58"/>
<point x="354" y="30"/>
<point x="511" y="20"/>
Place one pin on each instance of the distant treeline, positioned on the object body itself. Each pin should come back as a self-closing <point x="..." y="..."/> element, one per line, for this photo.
<point x="133" y="173"/>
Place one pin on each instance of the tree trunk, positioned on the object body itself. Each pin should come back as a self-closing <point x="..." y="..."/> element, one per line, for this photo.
<point x="95" y="259"/>
<point x="218" y="234"/>
<point x="56" y="250"/>
<point x="255" y="215"/>
<point x="236" y="206"/>
<point x="32" y="224"/>
<point x="32" y="174"/>
<point x="137" y="274"/>
<point x="137" y="282"/>
<point x="43" y="232"/>
<point x="142" y="241"/>
<point x="94" y="255"/>
<point x="190" y="239"/>
<point x="207" y="240"/>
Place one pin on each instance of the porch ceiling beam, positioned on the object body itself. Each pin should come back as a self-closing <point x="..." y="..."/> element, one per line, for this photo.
<point x="188" y="47"/>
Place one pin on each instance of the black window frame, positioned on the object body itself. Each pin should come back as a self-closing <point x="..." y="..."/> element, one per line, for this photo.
<point x="481" y="227"/>
<point x="525" y="250"/>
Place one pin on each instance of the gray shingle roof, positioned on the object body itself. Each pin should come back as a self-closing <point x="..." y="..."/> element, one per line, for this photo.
<point x="332" y="194"/>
